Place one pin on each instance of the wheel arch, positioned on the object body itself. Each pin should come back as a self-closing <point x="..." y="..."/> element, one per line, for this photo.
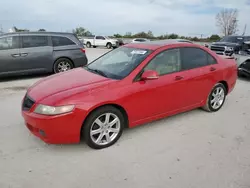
<point x="225" y="85"/>
<point x="108" y="43"/>
<point x="117" y="106"/>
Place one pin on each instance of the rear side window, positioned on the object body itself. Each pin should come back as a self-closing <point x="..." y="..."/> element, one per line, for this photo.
<point x="193" y="58"/>
<point x="7" y="43"/>
<point x="100" y="37"/>
<point x="140" y="40"/>
<point x="61" y="41"/>
<point x="211" y="60"/>
<point x="34" y="41"/>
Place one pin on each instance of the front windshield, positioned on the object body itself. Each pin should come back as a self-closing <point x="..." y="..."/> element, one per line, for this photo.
<point x="232" y="39"/>
<point x="118" y="63"/>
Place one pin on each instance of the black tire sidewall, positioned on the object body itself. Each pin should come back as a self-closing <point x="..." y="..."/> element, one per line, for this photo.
<point x="55" y="67"/>
<point x="88" y="45"/>
<point x="210" y="97"/>
<point x="109" y="45"/>
<point x="92" y="117"/>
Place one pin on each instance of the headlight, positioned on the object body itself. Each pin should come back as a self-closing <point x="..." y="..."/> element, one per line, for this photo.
<point x="229" y="48"/>
<point x="52" y="110"/>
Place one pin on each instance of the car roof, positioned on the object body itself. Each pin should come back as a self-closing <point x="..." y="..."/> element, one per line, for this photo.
<point x="153" y="45"/>
<point x="36" y="33"/>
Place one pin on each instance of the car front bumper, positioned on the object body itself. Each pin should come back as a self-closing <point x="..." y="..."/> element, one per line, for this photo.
<point x="60" y="129"/>
<point x="243" y="71"/>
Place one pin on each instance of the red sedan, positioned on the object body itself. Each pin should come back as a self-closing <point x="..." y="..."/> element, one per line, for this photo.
<point x="128" y="86"/>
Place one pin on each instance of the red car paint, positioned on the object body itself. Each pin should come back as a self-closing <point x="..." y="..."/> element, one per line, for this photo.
<point x="143" y="101"/>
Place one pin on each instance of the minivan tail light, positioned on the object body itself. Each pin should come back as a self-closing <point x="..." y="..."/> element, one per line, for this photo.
<point x="83" y="50"/>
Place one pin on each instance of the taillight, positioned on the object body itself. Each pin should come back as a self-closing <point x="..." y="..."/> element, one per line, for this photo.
<point x="83" y="50"/>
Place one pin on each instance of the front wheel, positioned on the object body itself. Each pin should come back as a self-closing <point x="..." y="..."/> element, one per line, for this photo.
<point x="109" y="45"/>
<point x="216" y="98"/>
<point x="103" y="127"/>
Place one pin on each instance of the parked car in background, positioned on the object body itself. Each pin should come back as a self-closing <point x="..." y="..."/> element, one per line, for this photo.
<point x="229" y="45"/>
<point x="101" y="41"/>
<point x="40" y="52"/>
<point x="136" y="40"/>
<point x="128" y="86"/>
<point x="243" y="60"/>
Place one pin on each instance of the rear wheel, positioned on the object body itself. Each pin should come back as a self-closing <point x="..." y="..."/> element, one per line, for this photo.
<point x="62" y="65"/>
<point x="216" y="98"/>
<point x="88" y="45"/>
<point x="103" y="127"/>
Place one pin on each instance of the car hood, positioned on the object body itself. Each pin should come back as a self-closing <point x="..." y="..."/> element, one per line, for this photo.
<point x="229" y="44"/>
<point x="76" y="78"/>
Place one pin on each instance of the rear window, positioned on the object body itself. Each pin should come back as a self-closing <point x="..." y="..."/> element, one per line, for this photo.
<point x="61" y="41"/>
<point x="34" y="41"/>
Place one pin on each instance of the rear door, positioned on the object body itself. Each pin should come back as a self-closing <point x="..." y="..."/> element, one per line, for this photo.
<point x="36" y="53"/>
<point x="199" y="70"/>
<point x="9" y="54"/>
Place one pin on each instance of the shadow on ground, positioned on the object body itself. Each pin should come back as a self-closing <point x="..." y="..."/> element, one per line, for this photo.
<point x="26" y="77"/>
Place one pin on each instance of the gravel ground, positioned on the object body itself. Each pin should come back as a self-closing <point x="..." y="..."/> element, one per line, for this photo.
<point x="192" y="150"/>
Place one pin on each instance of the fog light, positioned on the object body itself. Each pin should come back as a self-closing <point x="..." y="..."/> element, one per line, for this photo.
<point x="42" y="133"/>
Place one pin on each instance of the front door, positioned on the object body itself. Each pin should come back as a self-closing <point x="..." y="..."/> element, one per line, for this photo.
<point x="160" y="96"/>
<point x="9" y="54"/>
<point x="100" y="41"/>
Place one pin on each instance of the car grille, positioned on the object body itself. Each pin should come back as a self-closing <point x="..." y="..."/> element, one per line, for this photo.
<point x="27" y="103"/>
<point x="218" y="48"/>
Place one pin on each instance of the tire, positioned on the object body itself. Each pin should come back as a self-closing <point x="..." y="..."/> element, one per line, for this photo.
<point x="94" y="46"/>
<point x="109" y="45"/>
<point x="99" y="139"/>
<point x="62" y="65"/>
<point x="88" y="45"/>
<point x="210" y="105"/>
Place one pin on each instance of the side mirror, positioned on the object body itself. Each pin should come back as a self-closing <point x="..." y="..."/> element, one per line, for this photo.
<point x="149" y="75"/>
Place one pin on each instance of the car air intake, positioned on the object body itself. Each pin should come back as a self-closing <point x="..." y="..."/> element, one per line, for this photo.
<point x="27" y="103"/>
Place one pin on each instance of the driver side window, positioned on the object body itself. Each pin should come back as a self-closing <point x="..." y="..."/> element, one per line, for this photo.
<point x="165" y="62"/>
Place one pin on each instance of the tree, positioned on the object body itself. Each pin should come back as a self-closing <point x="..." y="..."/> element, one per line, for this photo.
<point x="150" y="34"/>
<point x="117" y="35"/>
<point x="173" y="36"/>
<point x="214" y="37"/>
<point x="81" y="32"/>
<point x="227" y="21"/>
<point x="41" y="30"/>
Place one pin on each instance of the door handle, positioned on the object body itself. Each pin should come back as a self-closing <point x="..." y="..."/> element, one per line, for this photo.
<point x="179" y="77"/>
<point x="24" y="54"/>
<point x="15" y="55"/>
<point x="212" y="68"/>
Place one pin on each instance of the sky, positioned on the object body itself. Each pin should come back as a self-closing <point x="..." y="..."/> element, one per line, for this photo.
<point x="107" y="17"/>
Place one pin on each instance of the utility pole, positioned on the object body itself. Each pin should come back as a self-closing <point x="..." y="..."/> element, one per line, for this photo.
<point x="244" y="30"/>
<point x="1" y="28"/>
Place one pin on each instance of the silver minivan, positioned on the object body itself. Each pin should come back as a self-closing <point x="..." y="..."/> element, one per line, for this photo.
<point x="40" y="52"/>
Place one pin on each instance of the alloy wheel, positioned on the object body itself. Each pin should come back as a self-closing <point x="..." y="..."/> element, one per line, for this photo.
<point x="217" y="98"/>
<point x="105" y="129"/>
<point x="63" y="66"/>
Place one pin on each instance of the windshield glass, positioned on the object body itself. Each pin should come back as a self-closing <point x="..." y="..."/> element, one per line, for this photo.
<point x="118" y="63"/>
<point x="231" y="39"/>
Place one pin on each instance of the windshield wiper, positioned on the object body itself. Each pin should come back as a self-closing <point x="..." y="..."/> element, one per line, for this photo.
<point x="97" y="71"/>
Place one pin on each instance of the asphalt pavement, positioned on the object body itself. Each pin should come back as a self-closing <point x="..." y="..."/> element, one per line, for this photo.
<point x="191" y="150"/>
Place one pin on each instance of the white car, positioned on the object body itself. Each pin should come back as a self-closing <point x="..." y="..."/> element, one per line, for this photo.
<point x="101" y="41"/>
<point x="138" y="40"/>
